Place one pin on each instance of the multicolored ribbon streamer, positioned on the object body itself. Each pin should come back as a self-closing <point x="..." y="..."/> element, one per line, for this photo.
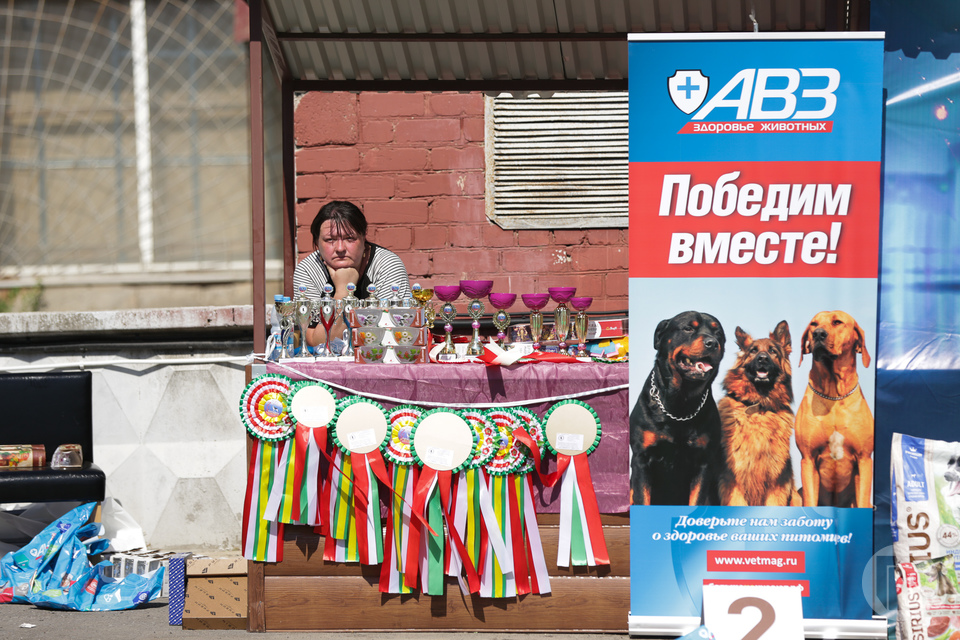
<point x="360" y="432"/>
<point x="263" y="410"/>
<point x="284" y="502"/>
<point x="341" y="541"/>
<point x="262" y="540"/>
<point x="447" y="447"/>
<point x="403" y="475"/>
<point x="426" y="552"/>
<point x="312" y="407"/>
<point x="497" y="580"/>
<point x="581" y="533"/>
<point x="540" y="578"/>
<point x="398" y="530"/>
<point x="368" y="468"/>
<point x="311" y="482"/>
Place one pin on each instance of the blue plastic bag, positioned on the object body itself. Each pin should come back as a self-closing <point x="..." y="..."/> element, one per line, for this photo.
<point x="700" y="633"/>
<point x="54" y="570"/>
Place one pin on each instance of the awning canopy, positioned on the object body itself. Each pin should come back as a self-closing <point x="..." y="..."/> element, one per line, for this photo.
<point x="461" y="45"/>
<point x="464" y="42"/>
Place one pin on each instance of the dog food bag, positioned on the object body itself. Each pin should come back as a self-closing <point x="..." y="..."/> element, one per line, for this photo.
<point x="928" y="600"/>
<point x="925" y="498"/>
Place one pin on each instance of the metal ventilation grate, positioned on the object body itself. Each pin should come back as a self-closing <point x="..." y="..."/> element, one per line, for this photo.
<point x="557" y="162"/>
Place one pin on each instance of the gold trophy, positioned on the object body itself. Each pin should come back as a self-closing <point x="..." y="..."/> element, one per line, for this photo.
<point x="535" y="302"/>
<point x="580" y="323"/>
<point x="423" y="298"/>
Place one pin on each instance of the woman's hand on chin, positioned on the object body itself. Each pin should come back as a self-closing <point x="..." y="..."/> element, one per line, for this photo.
<point x="342" y="277"/>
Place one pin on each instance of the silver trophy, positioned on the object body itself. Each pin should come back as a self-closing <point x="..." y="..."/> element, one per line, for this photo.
<point x="285" y="308"/>
<point x="325" y="311"/>
<point x="348" y="303"/>
<point x="301" y="312"/>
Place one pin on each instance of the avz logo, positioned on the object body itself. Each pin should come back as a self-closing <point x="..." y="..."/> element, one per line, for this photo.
<point x="758" y="100"/>
<point x="688" y="89"/>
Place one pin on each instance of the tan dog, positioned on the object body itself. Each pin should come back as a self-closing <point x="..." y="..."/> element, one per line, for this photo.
<point x="834" y="427"/>
<point x="757" y="423"/>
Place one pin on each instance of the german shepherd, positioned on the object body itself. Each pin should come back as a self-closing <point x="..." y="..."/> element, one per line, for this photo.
<point x="757" y="423"/>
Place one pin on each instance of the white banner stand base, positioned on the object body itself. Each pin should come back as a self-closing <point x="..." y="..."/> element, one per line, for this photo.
<point x="677" y="626"/>
<point x="753" y="612"/>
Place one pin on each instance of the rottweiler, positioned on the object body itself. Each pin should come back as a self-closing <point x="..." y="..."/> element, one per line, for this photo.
<point x="675" y="426"/>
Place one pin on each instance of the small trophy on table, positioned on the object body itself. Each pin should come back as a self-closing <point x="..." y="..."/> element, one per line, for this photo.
<point x="501" y="302"/>
<point x="476" y="289"/>
<point x="285" y="308"/>
<point x="535" y="302"/>
<point x="447" y="294"/>
<point x="580" y="323"/>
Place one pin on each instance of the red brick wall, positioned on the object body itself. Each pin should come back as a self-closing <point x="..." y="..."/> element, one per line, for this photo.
<point x="414" y="162"/>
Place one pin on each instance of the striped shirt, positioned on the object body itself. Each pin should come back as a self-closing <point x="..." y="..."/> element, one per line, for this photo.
<point x="383" y="270"/>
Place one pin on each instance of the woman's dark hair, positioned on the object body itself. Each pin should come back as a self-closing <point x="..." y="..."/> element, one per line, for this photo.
<point x="344" y="215"/>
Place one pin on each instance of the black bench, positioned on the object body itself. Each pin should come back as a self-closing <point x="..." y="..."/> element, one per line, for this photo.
<point x="50" y="408"/>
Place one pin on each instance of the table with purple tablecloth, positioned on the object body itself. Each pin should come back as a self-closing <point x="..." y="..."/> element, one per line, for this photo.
<point x="536" y="386"/>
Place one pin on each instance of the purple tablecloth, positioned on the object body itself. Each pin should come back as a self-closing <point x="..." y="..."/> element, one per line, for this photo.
<point x="539" y="386"/>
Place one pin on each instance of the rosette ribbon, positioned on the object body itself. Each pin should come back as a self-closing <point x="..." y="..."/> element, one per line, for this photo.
<point x="432" y="499"/>
<point x="360" y="432"/>
<point x="294" y="498"/>
<point x="263" y="411"/>
<point x="516" y="515"/>
<point x="581" y="538"/>
<point x="403" y="475"/>
<point x="530" y="426"/>
<point x="474" y="515"/>
<point x="504" y="572"/>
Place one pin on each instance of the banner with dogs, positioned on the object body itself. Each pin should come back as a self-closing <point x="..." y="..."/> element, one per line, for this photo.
<point x="754" y="244"/>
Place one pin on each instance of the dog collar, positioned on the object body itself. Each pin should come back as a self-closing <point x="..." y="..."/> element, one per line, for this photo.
<point x="655" y="394"/>
<point x="835" y="399"/>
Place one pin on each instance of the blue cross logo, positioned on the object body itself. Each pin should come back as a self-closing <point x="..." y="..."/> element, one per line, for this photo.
<point x="688" y="88"/>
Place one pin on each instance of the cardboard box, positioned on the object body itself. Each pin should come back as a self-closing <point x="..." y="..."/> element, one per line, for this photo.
<point x="215" y="623"/>
<point x="607" y="328"/>
<point x="216" y="597"/>
<point x="203" y="566"/>
<point x="216" y="593"/>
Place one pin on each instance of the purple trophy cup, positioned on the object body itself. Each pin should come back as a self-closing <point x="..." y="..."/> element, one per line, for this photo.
<point x="535" y="302"/>
<point x="561" y="315"/>
<point x="447" y="294"/>
<point x="580" y="322"/>
<point x="501" y="302"/>
<point x="476" y="289"/>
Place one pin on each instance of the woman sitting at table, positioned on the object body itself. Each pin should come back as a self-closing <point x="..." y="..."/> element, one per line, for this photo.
<point x="343" y="255"/>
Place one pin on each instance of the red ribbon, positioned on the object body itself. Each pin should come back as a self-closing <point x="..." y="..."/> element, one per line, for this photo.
<point x="300" y="445"/>
<point x="520" y="571"/>
<point x="379" y="469"/>
<point x="548" y="479"/>
<point x="488" y="357"/>
<point x="320" y="438"/>
<point x="473" y="579"/>
<point x="412" y="566"/>
<point x="590" y="507"/>
<point x="362" y="492"/>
